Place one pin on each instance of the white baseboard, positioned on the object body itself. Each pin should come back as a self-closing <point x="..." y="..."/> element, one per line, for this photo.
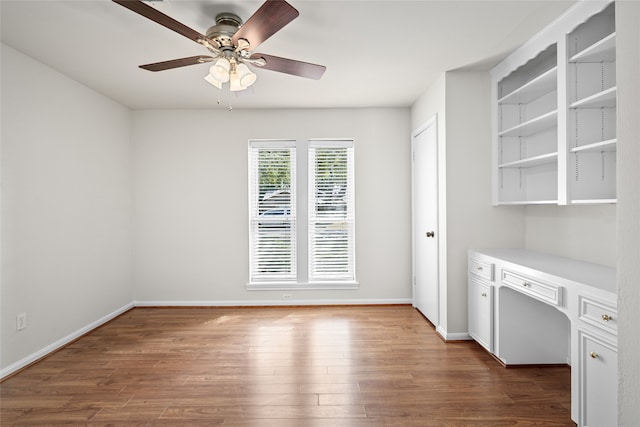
<point x="269" y="303"/>
<point x="26" y="361"/>
<point x="455" y="336"/>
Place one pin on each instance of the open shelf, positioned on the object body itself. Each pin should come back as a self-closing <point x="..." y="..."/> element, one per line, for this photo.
<point x="593" y="201"/>
<point x="544" y="83"/>
<point x="608" y="145"/>
<point x="529" y="202"/>
<point x="604" y="99"/>
<point x="533" y="126"/>
<point x="603" y="50"/>
<point x="530" y="162"/>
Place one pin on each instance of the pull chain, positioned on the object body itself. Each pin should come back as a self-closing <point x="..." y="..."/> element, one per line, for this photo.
<point x="220" y="100"/>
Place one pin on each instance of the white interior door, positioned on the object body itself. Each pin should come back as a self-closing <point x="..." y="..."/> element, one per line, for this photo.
<point x="425" y="220"/>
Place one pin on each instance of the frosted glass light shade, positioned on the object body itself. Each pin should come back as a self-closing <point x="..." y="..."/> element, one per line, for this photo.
<point x="220" y="70"/>
<point x="246" y="77"/>
<point x="213" y="81"/>
<point x="234" y="84"/>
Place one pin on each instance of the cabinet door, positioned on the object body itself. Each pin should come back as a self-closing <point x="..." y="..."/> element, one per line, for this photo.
<point x="598" y="382"/>
<point x="481" y="312"/>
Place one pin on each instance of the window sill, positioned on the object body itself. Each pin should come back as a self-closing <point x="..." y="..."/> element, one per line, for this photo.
<point x="283" y="286"/>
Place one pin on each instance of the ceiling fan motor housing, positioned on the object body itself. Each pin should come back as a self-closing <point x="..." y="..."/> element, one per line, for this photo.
<point x="227" y="24"/>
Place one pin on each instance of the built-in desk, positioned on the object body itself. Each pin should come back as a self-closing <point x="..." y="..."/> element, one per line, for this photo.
<point x="532" y="308"/>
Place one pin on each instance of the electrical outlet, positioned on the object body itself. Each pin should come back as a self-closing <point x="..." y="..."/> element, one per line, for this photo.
<point x="286" y="297"/>
<point x="21" y="321"/>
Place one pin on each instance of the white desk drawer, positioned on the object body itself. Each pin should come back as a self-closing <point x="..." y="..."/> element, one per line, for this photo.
<point x="601" y="314"/>
<point x="481" y="269"/>
<point x="545" y="292"/>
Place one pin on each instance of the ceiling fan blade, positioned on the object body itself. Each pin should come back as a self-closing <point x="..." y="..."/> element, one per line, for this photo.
<point x="162" y="19"/>
<point x="272" y="16"/>
<point x="175" y="63"/>
<point x="290" y="66"/>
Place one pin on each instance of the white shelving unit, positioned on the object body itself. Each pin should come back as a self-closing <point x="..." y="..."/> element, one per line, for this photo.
<point x="555" y="113"/>
<point x="527" y="131"/>
<point x="592" y="96"/>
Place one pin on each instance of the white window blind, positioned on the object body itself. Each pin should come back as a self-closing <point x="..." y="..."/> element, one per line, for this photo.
<point x="331" y="211"/>
<point x="272" y="205"/>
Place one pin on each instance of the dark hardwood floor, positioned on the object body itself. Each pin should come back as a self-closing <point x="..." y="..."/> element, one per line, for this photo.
<point x="298" y="366"/>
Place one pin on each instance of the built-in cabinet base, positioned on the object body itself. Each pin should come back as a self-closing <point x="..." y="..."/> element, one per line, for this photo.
<point x="540" y="309"/>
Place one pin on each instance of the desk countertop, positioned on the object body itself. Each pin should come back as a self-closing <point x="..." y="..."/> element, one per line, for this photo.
<point x="591" y="274"/>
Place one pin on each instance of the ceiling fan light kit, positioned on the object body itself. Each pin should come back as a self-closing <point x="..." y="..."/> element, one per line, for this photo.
<point x="231" y="43"/>
<point x="233" y="71"/>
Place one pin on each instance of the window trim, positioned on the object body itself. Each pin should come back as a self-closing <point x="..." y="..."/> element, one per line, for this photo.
<point x="297" y="286"/>
<point x="302" y="177"/>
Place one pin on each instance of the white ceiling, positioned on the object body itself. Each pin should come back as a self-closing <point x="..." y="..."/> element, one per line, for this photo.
<point x="378" y="53"/>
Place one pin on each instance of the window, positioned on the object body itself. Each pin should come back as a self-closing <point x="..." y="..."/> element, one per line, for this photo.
<point x="272" y="212"/>
<point x="331" y="225"/>
<point x="302" y="228"/>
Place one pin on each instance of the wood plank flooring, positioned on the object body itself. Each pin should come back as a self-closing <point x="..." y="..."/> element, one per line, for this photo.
<point x="273" y="367"/>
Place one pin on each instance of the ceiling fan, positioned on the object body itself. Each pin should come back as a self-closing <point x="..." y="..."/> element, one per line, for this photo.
<point x="231" y="44"/>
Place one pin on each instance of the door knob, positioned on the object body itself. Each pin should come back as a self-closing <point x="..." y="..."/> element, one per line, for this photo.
<point x="431" y="233"/>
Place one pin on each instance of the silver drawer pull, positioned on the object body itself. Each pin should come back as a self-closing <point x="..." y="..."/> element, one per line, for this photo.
<point x="606" y="318"/>
<point x="479" y="268"/>
<point x="526" y="284"/>
<point x="484" y="295"/>
<point x="593" y="355"/>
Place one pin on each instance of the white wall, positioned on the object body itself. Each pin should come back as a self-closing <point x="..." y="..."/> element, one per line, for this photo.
<point x="471" y="220"/>
<point x="430" y="103"/>
<point x="191" y="214"/>
<point x="587" y="233"/>
<point x="467" y="219"/>
<point x="66" y="206"/>
<point x="628" y="70"/>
